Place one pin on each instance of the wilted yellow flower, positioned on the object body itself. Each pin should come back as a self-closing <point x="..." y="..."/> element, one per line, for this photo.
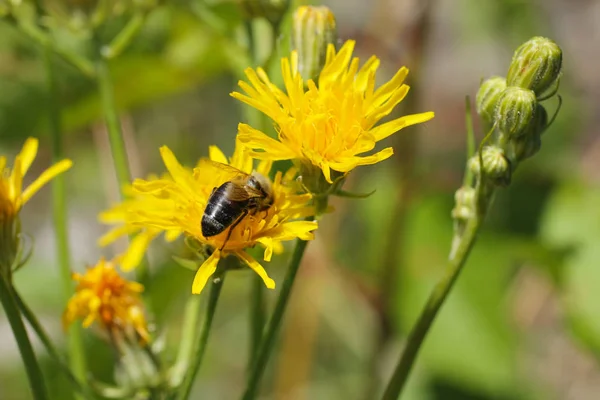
<point x="329" y="123"/>
<point x="105" y="296"/>
<point x="13" y="197"/>
<point x="176" y="204"/>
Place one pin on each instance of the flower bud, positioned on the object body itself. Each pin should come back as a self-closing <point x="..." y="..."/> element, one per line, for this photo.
<point x="515" y="110"/>
<point x="526" y="146"/>
<point x="495" y="165"/>
<point x="272" y="10"/>
<point x="487" y="97"/>
<point x="536" y="65"/>
<point x="313" y="29"/>
<point x="464" y="199"/>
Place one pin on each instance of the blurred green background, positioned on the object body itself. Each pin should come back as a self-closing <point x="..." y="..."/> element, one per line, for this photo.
<point x="523" y="322"/>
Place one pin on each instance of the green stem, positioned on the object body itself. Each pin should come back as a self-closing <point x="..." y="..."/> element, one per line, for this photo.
<point x="113" y="125"/>
<point x="457" y="258"/>
<point x="115" y="136"/>
<point x="186" y="346"/>
<point x="59" y="209"/>
<point x="257" y="317"/>
<point x="126" y="36"/>
<point x="36" y="380"/>
<point x="200" y="348"/>
<point x="268" y="341"/>
<point x="47" y="342"/>
<point x="41" y="38"/>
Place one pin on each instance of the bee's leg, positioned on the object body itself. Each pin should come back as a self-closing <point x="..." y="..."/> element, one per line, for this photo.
<point x="237" y="221"/>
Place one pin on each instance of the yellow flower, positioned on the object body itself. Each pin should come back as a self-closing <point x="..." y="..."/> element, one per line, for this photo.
<point x="329" y="123"/>
<point x="176" y="204"/>
<point x="13" y="197"/>
<point x="103" y="295"/>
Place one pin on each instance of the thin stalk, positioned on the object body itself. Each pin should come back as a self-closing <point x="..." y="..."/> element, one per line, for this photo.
<point x="186" y="347"/>
<point x="458" y="257"/>
<point x="47" y="342"/>
<point x="34" y="374"/>
<point x="268" y="342"/>
<point x="257" y="317"/>
<point x="200" y="348"/>
<point x="115" y="136"/>
<point x="113" y="124"/>
<point x="59" y="209"/>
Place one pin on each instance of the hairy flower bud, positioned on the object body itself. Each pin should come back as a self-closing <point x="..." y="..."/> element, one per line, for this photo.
<point x="525" y="147"/>
<point x="515" y="110"/>
<point x="487" y="97"/>
<point x="496" y="166"/>
<point x="536" y="65"/>
<point x="464" y="200"/>
<point x="272" y="10"/>
<point x="313" y="29"/>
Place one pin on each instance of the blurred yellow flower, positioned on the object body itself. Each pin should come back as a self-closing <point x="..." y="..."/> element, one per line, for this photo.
<point x="13" y="197"/>
<point x="176" y="204"/>
<point x="103" y="295"/>
<point x="328" y="123"/>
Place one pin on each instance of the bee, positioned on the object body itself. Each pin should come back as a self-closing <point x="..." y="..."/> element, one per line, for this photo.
<point x="243" y="194"/>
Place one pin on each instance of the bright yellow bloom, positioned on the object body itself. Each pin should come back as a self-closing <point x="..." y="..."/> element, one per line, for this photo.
<point x="13" y="197"/>
<point x="176" y="204"/>
<point x="329" y="123"/>
<point x="103" y="295"/>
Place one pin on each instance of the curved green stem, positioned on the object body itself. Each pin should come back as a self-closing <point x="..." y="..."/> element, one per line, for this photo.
<point x="47" y="342"/>
<point x="200" y="348"/>
<point x="36" y="380"/>
<point x="268" y="342"/>
<point x="458" y="256"/>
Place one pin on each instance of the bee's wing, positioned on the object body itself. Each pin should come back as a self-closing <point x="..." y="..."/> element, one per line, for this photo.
<point x="236" y="192"/>
<point x="229" y="172"/>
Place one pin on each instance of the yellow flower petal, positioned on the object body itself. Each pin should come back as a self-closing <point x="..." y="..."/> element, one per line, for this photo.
<point x="256" y="267"/>
<point x="253" y="138"/>
<point x="136" y="250"/>
<point x="215" y="154"/>
<point x="172" y="235"/>
<point x="295" y="229"/>
<point x="28" y="153"/>
<point x="178" y="173"/>
<point x="206" y="270"/>
<point x="116" y="233"/>
<point x="384" y="130"/>
<point x="44" y="178"/>
<point x="16" y="183"/>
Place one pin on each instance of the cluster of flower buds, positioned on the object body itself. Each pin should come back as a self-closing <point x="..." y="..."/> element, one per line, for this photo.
<point x="512" y="107"/>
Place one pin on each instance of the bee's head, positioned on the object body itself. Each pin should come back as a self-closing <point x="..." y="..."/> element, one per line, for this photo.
<point x="261" y="183"/>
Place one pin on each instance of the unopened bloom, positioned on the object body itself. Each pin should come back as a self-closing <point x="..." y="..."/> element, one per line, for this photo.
<point x="330" y="123"/>
<point x="104" y="296"/>
<point x="13" y="197"/>
<point x="313" y="30"/>
<point x="177" y="203"/>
